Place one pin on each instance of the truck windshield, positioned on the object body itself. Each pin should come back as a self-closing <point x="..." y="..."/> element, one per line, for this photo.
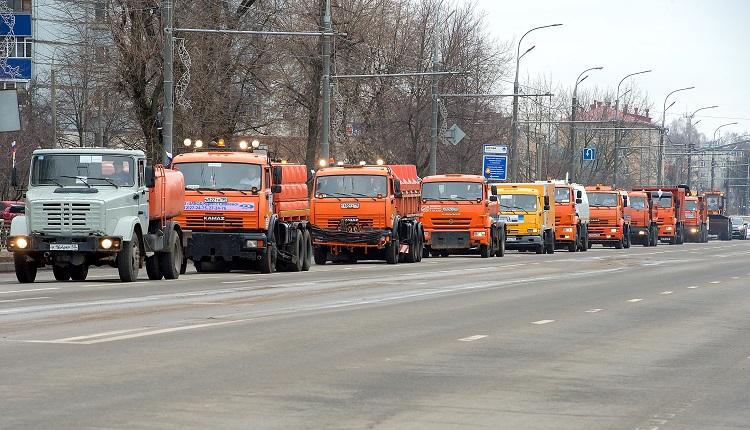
<point x="691" y="205"/>
<point x="220" y="176"/>
<point x="638" y="202"/>
<point x="452" y="191"/>
<point x="562" y="195"/>
<point x="351" y="186"/>
<point x="713" y="203"/>
<point x="663" y="202"/>
<point x="82" y="169"/>
<point x="737" y="220"/>
<point x="510" y="202"/>
<point x="602" y="199"/>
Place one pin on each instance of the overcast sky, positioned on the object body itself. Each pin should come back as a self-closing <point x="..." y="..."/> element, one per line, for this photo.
<point x="701" y="43"/>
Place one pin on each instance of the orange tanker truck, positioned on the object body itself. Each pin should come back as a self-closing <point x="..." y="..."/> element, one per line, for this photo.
<point x="642" y="212"/>
<point x="245" y="210"/>
<point x="696" y="220"/>
<point x="366" y="212"/>
<point x="460" y="216"/>
<point x="608" y="225"/>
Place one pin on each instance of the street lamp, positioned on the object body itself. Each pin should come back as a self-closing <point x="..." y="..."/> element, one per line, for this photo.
<point x="690" y="142"/>
<point x="516" y="87"/>
<point x="617" y="114"/>
<point x="660" y="153"/>
<point x="572" y="149"/>
<point x="713" y="152"/>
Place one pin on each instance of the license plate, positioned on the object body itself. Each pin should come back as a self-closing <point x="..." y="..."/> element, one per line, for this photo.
<point x="594" y="234"/>
<point x="510" y="239"/>
<point x="63" y="247"/>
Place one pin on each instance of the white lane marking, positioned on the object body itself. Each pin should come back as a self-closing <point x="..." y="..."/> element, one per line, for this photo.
<point x="666" y="292"/>
<point x="735" y="277"/>
<point x="91" y="336"/>
<point x="29" y="291"/>
<point x="473" y="338"/>
<point x="692" y="287"/>
<point x="23" y="300"/>
<point x="114" y="283"/>
<point x="540" y="322"/>
<point x="163" y="331"/>
<point x="715" y="282"/>
<point x="635" y="300"/>
<point x="593" y="311"/>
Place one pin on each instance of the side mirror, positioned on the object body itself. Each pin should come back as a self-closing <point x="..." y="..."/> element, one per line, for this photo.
<point x="579" y="194"/>
<point x="493" y="188"/>
<point x="546" y="203"/>
<point x="276" y="188"/>
<point x="14" y="178"/>
<point x="397" y="188"/>
<point x="579" y="200"/>
<point x="150" y="177"/>
<point x="625" y="201"/>
<point x="493" y="198"/>
<point x="277" y="176"/>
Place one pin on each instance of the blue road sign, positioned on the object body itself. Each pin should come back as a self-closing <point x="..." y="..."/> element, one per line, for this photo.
<point x="495" y="167"/>
<point x="589" y="154"/>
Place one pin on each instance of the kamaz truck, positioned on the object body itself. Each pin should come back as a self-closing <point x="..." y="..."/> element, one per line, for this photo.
<point x="528" y="211"/>
<point x="718" y="221"/>
<point x="609" y="225"/>
<point x="696" y="220"/>
<point x="95" y="207"/>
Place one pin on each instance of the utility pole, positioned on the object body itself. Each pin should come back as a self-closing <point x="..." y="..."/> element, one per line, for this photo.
<point x="572" y="150"/>
<point x="617" y="131"/>
<point x="435" y="101"/>
<point x="53" y="95"/>
<point x="167" y="7"/>
<point x="325" y="149"/>
<point x="660" y="154"/>
<point x="691" y="146"/>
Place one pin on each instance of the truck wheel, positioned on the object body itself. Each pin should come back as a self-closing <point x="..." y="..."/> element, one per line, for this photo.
<point x="80" y="272"/>
<point x="307" y="258"/>
<point x="626" y="240"/>
<point x="171" y="261"/>
<point x="299" y="251"/>
<point x="484" y="251"/>
<point x="129" y="260"/>
<point x="411" y="254"/>
<point x="619" y="244"/>
<point x="540" y="249"/>
<point x="500" y="246"/>
<point x="183" y="266"/>
<point x="152" y="268"/>
<point x="62" y="273"/>
<point x="320" y="255"/>
<point x="679" y="239"/>
<point x="391" y="252"/>
<point x="573" y="246"/>
<point x="420" y="242"/>
<point x="268" y="259"/>
<point x="550" y="242"/>
<point x="25" y="268"/>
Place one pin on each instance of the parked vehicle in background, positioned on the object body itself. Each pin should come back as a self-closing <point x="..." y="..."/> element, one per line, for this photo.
<point x="98" y="207"/>
<point x="361" y="212"/>
<point x="696" y="220"/>
<point x="571" y="216"/>
<point x="245" y="210"/>
<point x="528" y="210"/>
<point x="12" y="211"/>
<point x="718" y="221"/>
<point x="642" y="213"/>
<point x="459" y="215"/>
<point x="739" y="227"/>
<point x="608" y="225"/>
<point x="671" y="211"/>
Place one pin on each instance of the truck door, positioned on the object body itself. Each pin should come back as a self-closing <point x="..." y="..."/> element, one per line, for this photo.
<point x="141" y="195"/>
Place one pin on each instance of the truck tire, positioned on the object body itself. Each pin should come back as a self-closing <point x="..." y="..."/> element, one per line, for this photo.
<point x="170" y="262"/>
<point x="152" y="268"/>
<point x="79" y="272"/>
<point x="551" y="242"/>
<point x="539" y="249"/>
<point x="573" y="246"/>
<point x="391" y="252"/>
<point x="25" y="268"/>
<point x="626" y="239"/>
<point x="129" y="259"/>
<point x="320" y="255"/>
<point x="299" y="252"/>
<point x="267" y="263"/>
<point x="61" y="273"/>
<point x="619" y="244"/>
<point x="412" y="254"/>
<point x="183" y="266"/>
<point x="420" y="242"/>
<point x="500" y="245"/>
<point x="485" y="251"/>
<point x="307" y="258"/>
<point x="679" y="236"/>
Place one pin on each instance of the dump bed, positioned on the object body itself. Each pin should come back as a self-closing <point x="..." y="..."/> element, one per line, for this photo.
<point x="408" y="204"/>
<point x="292" y="202"/>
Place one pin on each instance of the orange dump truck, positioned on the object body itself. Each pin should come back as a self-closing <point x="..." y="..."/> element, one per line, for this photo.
<point x="696" y="220"/>
<point x="571" y="216"/>
<point x="460" y="216"/>
<point x="244" y="210"/>
<point x="608" y="225"/>
<point x="670" y="211"/>
<point x="642" y="213"/>
<point x="366" y="212"/>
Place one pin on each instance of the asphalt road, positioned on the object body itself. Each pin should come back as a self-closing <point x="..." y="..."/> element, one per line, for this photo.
<point x="646" y="338"/>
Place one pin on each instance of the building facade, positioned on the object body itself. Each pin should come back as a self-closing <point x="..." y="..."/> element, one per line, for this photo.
<point x="16" y="46"/>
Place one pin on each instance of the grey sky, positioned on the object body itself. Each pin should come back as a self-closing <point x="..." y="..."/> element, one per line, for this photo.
<point x="701" y="43"/>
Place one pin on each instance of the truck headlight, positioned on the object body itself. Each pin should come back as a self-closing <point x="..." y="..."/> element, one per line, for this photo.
<point x="669" y="228"/>
<point x="641" y="233"/>
<point x="253" y="243"/>
<point x="109" y="243"/>
<point x="568" y="230"/>
<point x="21" y="243"/>
<point x="613" y="230"/>
<point x="533" y="230"/>
<point x="479" y="234"/>
<point x="693" y="230"/>
<point x="106" y="243"/>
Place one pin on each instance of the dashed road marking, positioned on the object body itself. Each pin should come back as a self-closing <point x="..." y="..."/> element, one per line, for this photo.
<point x="593" y="311"/>
<point x="540" y="322"/>
<point x="29" y="291"/>
<point x="715" y="282"/>
<point x="735" y="277"/>
<point x="635" y="300"/>
<point x="473" y="338"/>
<point x="666" y="292"/>
<point x="692" y="287"/>
<point x="23" y="300"/>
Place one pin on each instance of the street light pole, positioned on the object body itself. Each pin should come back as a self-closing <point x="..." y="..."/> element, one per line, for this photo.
<point x="660" y="153"/>
<point x="617" y="132"/>
<point x="514" y="120"/>
<point x="690" y="143"/>
<point x="713" y="152"/>
<point x="574" y="107"/>
<point x="325" y="148"/>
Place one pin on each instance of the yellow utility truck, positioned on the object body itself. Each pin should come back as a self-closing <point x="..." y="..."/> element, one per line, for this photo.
<point x="528" y="210"/>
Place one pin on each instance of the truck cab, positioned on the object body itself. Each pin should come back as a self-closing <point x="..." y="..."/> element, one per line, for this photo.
<point x="528" y="211"/>
<point x="642" y="213"/>
<point x="459" y="217"/>
<point x="98" y="207"/>
<point x="571" y="216"/>
<point x="696" y="221"/>
<point x="608" y="225"/>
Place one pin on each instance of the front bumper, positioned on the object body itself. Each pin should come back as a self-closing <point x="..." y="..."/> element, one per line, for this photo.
<point x="354" y="239"/>
<point x="566" y="234"/>
<point x="51" y="244"/>
<point x="227" y="246"/>
<point x="519" y="242"/>
<point x="456" y="239"/>
<point x="605" y="236"/>
<point x="667" y="231"/>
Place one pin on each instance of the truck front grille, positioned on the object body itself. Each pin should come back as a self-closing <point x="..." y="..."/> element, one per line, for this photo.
<point x="451" y="223"/>
<point x="66" y="217"/>
<point x="354" y="223"/>
<point x="201" y="222"/>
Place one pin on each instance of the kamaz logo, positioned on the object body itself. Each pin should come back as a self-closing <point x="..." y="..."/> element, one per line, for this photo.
<point x="354" y="205"/>
<point x="450" y="209"/>
<point x="213" y="218"/>
<point x="215" y="200"/>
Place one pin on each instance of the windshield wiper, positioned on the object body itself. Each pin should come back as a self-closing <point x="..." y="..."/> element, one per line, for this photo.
<point x="361" y="195"/>
<point x="78" y="178"/>
<point x="513" y="208"/>
<point x="231" y="189"/>
<point x="111" y="182"/>
<point x="54" y="180"/>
